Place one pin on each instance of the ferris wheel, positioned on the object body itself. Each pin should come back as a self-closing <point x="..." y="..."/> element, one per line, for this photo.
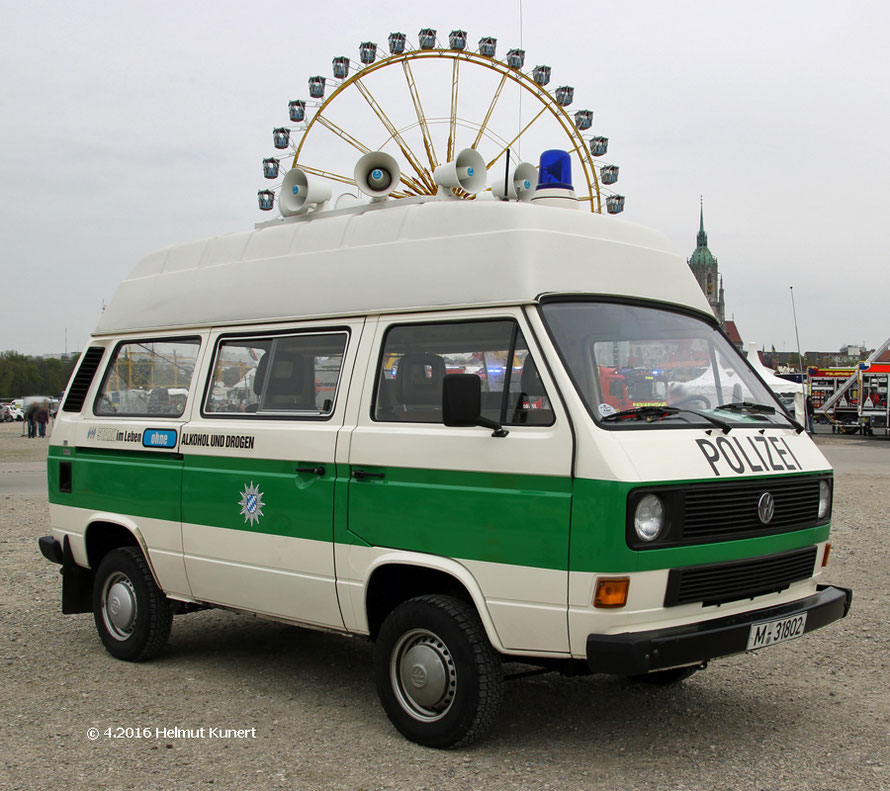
<point x="424" y="104"/>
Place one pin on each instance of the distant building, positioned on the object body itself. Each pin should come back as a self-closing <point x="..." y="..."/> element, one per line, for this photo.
<point x="733" y="332"/>
<point x="704" y="266"/>
<point x="846" y="357"/>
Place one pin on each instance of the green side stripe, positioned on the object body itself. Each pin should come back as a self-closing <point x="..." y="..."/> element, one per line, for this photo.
<point x="296" y="505"/>
<point x="136" y="483"/>
<point x="517" y="519"/>
<point x="525" y="520"/>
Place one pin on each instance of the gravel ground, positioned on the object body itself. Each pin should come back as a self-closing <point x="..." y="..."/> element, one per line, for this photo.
<point x="811" y="714"/>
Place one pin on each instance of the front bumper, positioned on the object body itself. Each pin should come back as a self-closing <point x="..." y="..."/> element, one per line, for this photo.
<point x="633" y="653"/>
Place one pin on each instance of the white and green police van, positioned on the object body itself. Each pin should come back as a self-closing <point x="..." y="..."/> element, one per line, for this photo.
<point x="474" y="432"/>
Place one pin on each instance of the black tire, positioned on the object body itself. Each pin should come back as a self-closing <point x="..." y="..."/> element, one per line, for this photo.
<point x="133" y="617"/>
<point x="438" y="677"/>
<point x="663" y="677"/>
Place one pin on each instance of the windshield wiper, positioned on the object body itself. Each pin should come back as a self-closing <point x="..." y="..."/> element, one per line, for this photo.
<point x="748" y="406"/>
<point x="647" y="412"/>
<point x="651" y="413"/>
<point x="762" y="409"/>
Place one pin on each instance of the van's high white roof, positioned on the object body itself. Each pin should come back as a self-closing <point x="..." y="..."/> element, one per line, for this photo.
<point x="400" y="256"/>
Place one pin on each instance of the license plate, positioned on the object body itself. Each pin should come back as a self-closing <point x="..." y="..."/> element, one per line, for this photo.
<point x="771" y="632"/>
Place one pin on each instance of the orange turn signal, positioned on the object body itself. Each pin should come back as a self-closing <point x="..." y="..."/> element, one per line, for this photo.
<point x="611" y="592"/>
<point x="826" y="554"/>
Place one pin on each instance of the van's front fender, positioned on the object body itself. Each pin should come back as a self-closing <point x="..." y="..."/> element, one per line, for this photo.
<point x="378" y="559"/>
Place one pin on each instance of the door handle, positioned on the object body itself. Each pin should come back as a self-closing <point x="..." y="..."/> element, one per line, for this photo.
<point x="360" y="475"/>
<point x="317" y="470"/>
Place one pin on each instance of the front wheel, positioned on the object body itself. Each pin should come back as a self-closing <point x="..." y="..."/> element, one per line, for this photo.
<point x="133" y="617"/>
<point x="438" y="677"/>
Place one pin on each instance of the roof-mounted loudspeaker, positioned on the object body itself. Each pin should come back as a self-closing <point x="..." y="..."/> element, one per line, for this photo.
<point x="521" y="183"/>
<point x="377" y="174"/>
<point x="467" y="172"/>
<point x="299" y="192"/>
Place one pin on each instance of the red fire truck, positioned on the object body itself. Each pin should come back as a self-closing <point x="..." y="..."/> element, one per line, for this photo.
<point x="874" y="409"/>
<point x="823" y="383"/>
<point x="627" y="388"/>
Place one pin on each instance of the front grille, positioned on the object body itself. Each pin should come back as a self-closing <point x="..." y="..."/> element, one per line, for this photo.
<point x="703" y="513"/>
<point x="721" y="512"/>
<point x="719" y="583"/>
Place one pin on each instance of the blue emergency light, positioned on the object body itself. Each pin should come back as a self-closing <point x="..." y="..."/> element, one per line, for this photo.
<point x="555" y="170"/>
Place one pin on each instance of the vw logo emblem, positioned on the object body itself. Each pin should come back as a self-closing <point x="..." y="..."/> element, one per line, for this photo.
<point x="766" y="508"/>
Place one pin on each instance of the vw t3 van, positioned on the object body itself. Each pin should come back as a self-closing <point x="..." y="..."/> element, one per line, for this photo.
<point x="414" y="421"/>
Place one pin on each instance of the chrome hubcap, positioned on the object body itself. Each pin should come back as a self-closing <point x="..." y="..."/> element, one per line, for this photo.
<point x="423" y="675"/>
<point x="119" y="606"/>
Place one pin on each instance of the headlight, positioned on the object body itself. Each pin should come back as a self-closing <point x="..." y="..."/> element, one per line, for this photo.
<point x="649" y="517"/>
<point x="824" y="499"/>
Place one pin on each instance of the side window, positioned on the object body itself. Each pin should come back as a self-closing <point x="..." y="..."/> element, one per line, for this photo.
<point x="149" y="378"/>
<point x="416" y="358"/>
<point x="290" y="375"/>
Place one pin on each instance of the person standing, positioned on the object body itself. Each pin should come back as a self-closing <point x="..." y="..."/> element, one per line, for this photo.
<point x="42" y="418"/>
<point x="31" y="418"/>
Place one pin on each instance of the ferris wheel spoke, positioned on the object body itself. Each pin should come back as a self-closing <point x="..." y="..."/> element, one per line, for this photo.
<point x="414" y="186"/>
<point x="410" y="183"/>
<point x="494" y="101"/>
<point x="421" y="116"/>
<point x="326" y="174"/>
<point x="340" y="132"/>
<point x="394" y="133"/>
<point x="452" y="122"/>
<point x="518" y="135"/>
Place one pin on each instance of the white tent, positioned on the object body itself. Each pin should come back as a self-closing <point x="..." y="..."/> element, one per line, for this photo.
<point x="789" y="393"/>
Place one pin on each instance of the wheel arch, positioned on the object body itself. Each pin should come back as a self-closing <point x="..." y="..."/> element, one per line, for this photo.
<point x="106" y="532"/>
<point x="396" y="577"/>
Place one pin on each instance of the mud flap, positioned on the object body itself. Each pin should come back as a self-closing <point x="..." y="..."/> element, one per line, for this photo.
<point x="77" y="584"/>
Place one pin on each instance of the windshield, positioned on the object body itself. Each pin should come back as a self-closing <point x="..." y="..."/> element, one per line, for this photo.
<point x="639" y="367"/>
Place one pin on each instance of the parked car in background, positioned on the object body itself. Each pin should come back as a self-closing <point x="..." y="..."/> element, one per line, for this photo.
<point x="6" y="414"/>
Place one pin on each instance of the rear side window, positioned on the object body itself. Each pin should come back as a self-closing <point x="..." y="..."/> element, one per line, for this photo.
<point x="416" y="358"/>
<point x="80" y="384"/>
<point x="276" y="376"/>
<point x="149" y="378"/>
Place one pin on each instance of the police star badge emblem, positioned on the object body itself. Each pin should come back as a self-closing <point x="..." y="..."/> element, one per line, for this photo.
<point x="251" y="503"/>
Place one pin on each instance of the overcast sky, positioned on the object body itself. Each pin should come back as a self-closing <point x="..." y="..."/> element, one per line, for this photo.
<point x="127" y="127"/>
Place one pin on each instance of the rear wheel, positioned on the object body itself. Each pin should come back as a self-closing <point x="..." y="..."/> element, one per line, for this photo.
<point x="133" y="617"/>
<point x="438" y="677"/>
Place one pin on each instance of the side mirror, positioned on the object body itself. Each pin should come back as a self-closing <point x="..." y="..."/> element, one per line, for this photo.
<point x="462" y="404"/>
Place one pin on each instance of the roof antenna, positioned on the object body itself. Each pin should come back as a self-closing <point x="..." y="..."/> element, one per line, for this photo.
<point x="521" y="46"/>
<point x="507" y="177"/>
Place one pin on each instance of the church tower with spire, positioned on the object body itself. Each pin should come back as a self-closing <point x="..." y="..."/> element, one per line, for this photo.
<point x="704" y="266"/>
